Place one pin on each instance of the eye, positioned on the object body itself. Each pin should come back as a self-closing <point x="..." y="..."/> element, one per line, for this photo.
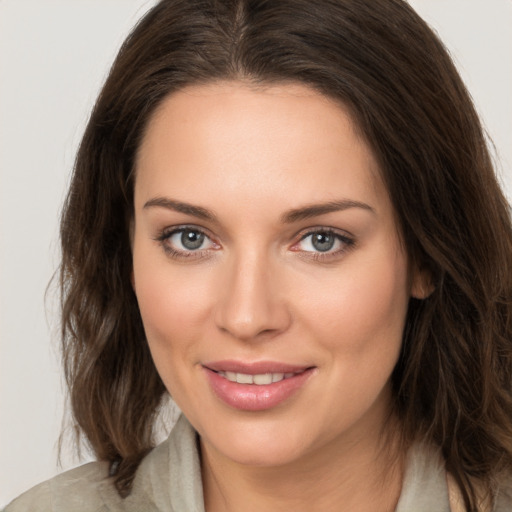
<point x="323" y="242"/>
<point x="188" y="240"/>
<point x="185" y="242"/>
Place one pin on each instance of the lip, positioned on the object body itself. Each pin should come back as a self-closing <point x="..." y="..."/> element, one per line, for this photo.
<point x="252" y="397"/>
<point x="255" y="367"/>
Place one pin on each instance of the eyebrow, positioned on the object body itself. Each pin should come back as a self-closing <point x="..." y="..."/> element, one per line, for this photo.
<point x="178" y="206"/>
<point x="315" y="210"/>
<point x="289" y="217"/>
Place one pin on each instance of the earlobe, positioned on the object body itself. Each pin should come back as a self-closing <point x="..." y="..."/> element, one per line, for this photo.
<point x="421" y="285"/>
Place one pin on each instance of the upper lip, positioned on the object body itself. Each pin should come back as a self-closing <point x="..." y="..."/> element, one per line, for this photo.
<point x="254" y="368"/>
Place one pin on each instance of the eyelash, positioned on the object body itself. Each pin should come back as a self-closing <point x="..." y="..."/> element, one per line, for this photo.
<point x="167" y="233"/>
<point x="347" y="242"/>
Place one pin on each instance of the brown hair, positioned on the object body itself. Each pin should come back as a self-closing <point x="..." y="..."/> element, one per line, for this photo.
<point x="452" y="384"/>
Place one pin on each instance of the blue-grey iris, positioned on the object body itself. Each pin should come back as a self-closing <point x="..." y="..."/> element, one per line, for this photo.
<point x="191" y="240"/>
<point x="323" y="241"/>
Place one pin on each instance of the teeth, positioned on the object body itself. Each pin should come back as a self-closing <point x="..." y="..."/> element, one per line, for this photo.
<point x="230" y="376"/>
<point x="243" y="378"/>
<point x="265" y="378"/>
<point x="259" y="379"/>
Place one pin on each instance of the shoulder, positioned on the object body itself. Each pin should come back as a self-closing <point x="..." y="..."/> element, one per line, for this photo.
<point x="168" y="478"/>
<point x="78" y="489"/>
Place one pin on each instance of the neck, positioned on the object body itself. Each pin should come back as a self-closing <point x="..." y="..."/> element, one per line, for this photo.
<point x="345" y="475"/>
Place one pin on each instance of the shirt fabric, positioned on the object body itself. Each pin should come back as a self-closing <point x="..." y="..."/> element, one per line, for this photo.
<point x="169" y="480"/>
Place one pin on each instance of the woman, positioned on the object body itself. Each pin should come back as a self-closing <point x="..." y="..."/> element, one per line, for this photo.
<point x="284" y="215"/>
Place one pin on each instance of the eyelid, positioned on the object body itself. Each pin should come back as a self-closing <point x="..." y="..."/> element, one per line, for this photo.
<point x="171" y="230"/>
<point x="348" y="241"/>
<point x="166" y="233"/>
<point x="324" y="229"/>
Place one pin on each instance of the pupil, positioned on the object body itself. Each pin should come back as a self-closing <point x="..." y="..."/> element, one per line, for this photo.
<point x="192" y="239"/>
<point x="323" y="242"/>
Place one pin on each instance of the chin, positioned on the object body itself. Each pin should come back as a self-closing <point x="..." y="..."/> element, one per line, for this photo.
<point x="256" y="443"/>
<point x="259" y="455"/>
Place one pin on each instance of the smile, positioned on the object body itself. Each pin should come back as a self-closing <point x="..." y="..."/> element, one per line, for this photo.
<point x="260" y="379"/>
<point x="255" y="387"/>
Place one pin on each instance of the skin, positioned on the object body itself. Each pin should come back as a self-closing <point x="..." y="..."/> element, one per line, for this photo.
<point x="258" y="290"/>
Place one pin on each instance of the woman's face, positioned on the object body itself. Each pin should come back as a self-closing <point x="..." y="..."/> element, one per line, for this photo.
<point x="270" y="276"/>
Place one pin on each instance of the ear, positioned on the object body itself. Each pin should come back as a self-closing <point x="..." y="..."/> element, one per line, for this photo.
<point x="421" y="283"/>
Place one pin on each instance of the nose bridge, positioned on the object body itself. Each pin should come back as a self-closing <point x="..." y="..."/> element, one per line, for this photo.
<point x="251" y="305"/>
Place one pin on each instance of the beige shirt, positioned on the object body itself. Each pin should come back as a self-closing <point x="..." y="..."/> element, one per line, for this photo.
<point x="169" y="480"/>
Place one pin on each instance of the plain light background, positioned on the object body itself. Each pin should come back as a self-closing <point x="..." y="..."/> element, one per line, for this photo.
<point x="54" y="56"/>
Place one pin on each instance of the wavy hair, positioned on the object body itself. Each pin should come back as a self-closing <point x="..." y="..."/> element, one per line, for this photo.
<point x="452" y="384"/>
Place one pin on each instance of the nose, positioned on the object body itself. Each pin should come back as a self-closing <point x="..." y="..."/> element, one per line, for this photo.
<point x="252" y="305"/>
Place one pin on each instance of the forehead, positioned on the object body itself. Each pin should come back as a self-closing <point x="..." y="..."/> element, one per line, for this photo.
<point x="232" y="141"/>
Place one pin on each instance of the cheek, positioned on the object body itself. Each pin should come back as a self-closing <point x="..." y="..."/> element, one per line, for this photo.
<point x="359" y="324"/>
<point x="364" y="308"/>
<point x="167" y="304"/>
<point x="174" y="304"/>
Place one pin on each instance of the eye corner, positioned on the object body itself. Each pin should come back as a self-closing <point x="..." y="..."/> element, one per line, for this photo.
<point x="336" y="244"/>
<point x="173" y="242"/>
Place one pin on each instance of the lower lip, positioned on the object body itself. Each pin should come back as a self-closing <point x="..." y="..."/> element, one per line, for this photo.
<point x="253" y="397"/>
